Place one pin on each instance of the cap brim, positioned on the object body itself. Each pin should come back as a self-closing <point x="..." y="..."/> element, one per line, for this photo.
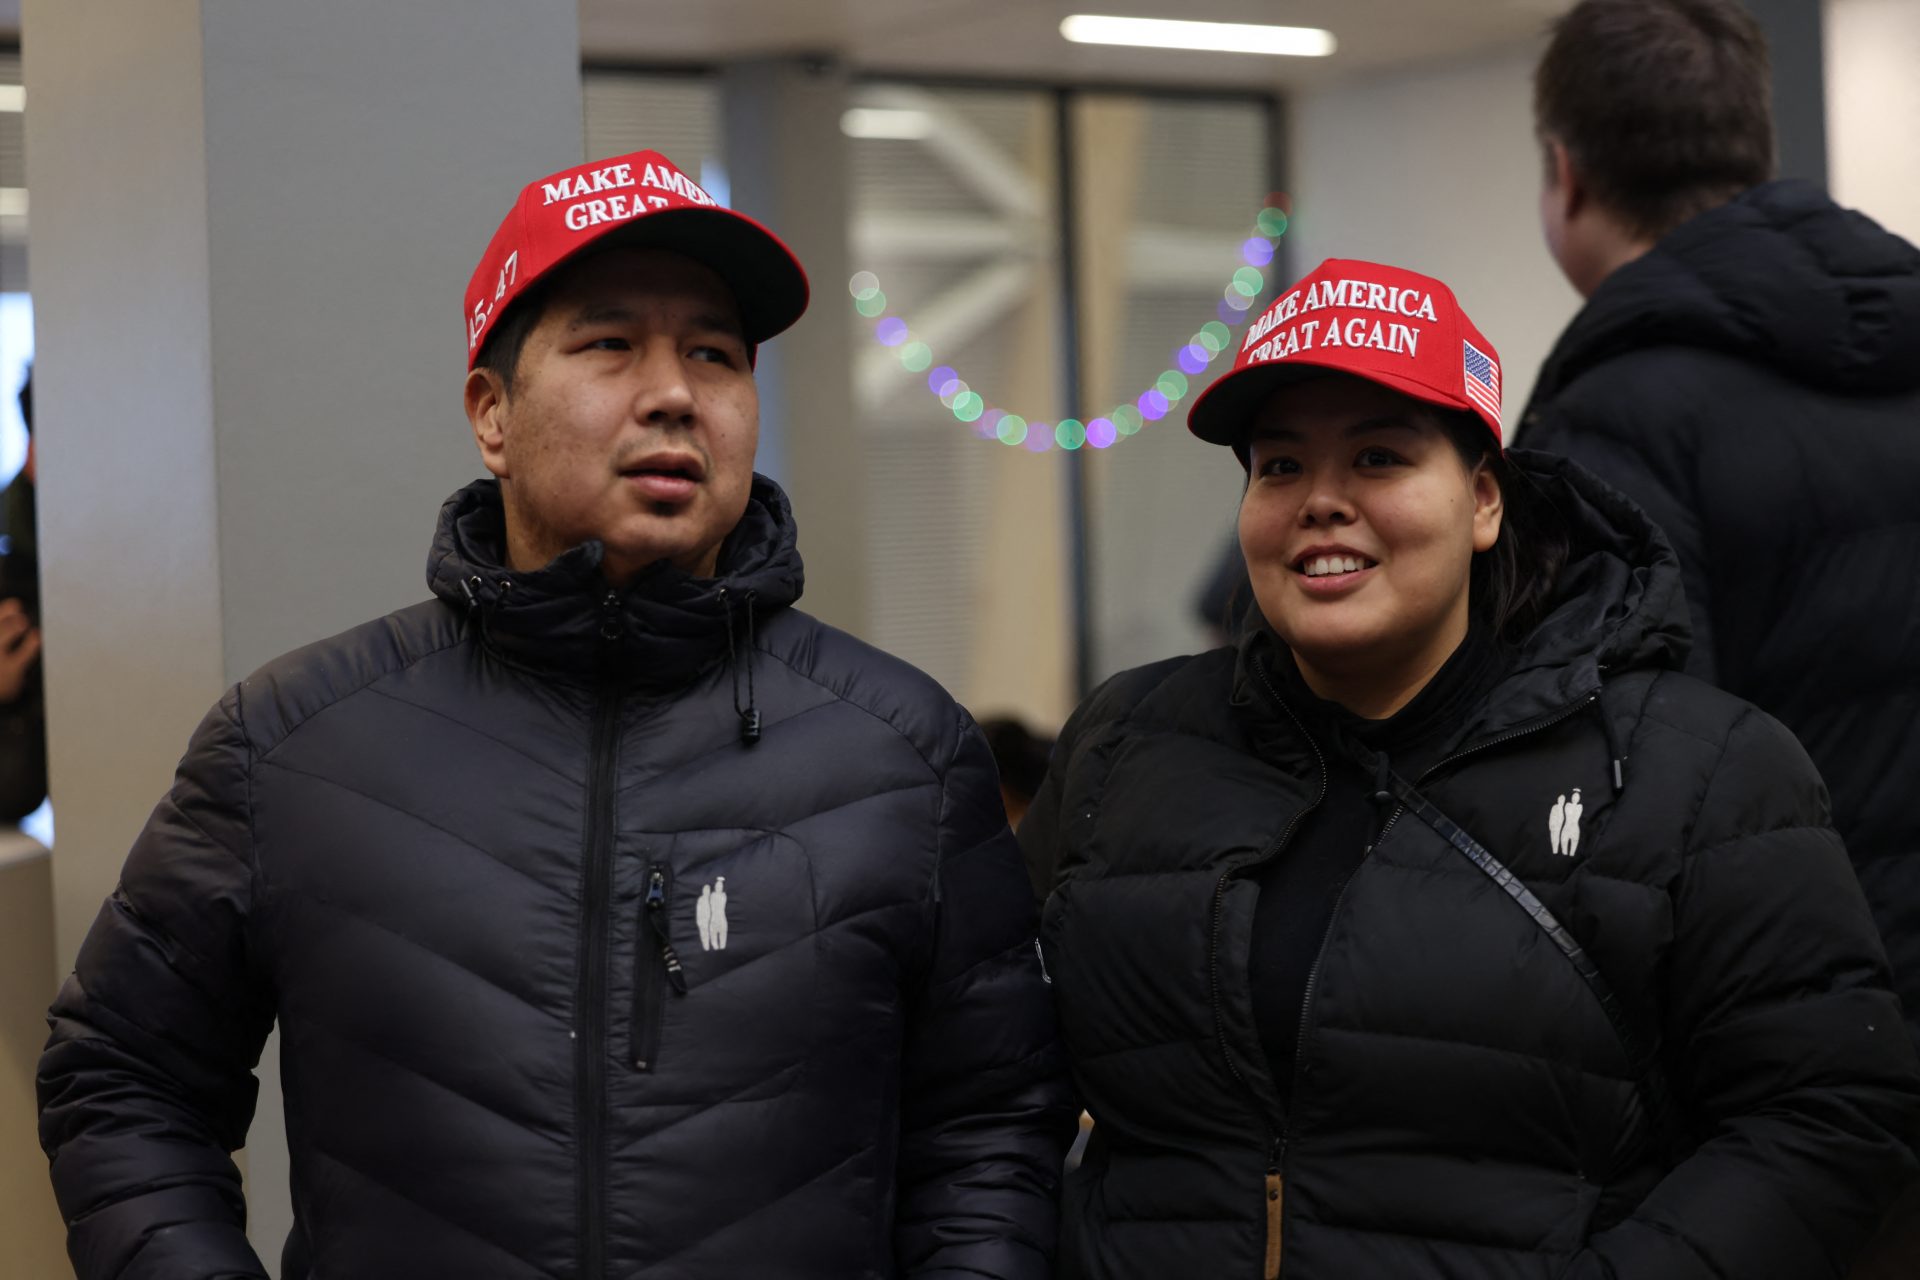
<point x="768" y="283"/>
<point x="1224" y="411"/>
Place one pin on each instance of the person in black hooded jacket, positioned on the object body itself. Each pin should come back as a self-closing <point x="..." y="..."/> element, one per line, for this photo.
<point x="1443" y="930"/>
<point x="1747" y="370"/>
<point x="619" y="919"/>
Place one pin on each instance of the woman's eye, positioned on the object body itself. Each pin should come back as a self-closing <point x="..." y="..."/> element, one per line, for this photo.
<point x="1281" y="466"/>
<point x="1377" y="458"/>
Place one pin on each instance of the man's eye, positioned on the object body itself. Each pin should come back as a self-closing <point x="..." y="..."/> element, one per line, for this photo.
<point x="609" y="344"/>
<point x="713" y="355"/>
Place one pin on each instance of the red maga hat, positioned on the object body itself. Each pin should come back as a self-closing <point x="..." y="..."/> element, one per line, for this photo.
<point x="650" y="203"/>
<point x="1398" y="328"/>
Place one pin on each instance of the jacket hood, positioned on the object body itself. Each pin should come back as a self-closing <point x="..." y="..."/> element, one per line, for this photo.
<point x="1619" y="604"/>
<point x="655" y="633"/>
<point x="1780" y="275"/>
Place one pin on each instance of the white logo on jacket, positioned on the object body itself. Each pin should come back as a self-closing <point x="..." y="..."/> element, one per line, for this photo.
<point x="710" y="913"/>
<point x="1563" y="825"/>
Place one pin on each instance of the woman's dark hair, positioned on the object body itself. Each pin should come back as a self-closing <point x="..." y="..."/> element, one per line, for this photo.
<point x="1512" y="583"/>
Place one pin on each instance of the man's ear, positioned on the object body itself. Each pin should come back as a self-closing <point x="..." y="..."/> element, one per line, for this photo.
<point x="1563" y="180"/>
<point x="486" y="403"/>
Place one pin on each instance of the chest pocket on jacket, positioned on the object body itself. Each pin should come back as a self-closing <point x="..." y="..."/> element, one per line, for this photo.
<point x="725" y="958"/>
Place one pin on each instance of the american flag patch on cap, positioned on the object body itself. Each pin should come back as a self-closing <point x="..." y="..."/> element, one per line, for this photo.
<point x="1483" y="379"/>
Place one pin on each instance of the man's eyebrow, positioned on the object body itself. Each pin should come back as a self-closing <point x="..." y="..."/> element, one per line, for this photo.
<point x="721" y="322"/>
<point x="605" y="313"/>
<point x="619" y="313"/>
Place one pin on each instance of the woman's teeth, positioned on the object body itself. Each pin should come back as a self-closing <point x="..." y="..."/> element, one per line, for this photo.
<point x="1321" y="566"/>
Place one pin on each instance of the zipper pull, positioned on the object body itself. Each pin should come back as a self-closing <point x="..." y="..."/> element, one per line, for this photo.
<point x="1276" y="1209"/>
<point x="675" y="977"/>
<point x="611" y="624"/>
<point x="657" y="919"/>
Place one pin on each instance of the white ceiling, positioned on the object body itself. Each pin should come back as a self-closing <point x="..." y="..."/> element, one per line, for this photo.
<point x="1020" y="39"/>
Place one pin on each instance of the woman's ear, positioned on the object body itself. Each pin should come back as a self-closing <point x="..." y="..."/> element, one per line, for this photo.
<point x="1489" y="507"/>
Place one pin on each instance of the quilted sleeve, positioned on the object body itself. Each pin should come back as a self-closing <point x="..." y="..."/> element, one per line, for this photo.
<point x="985" y="1112"/>
<point x="146" y="1084"/>
<point x="1790" y="1059"/>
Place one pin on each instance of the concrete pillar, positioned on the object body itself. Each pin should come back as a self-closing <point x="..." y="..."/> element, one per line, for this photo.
<point x="253" y="222"/>
<point x="1796" y="43"/>
<point x="787" y="165"/>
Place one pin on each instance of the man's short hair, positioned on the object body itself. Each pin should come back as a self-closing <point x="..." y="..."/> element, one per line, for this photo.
<point x="1663" y="105"/>
<point x="508" y="337"/>
<point x="501" y="351"/>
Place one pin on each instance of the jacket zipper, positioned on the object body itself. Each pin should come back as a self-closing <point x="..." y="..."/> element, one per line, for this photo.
<point x="1276" y="1164"/>
<point x="1276" y="1140"/>
<point x="590" y="995"/>
<point x="655" y="967"/>
<point x="1276" y="1177"/>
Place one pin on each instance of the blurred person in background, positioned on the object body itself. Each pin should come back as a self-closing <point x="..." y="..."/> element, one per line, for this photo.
<point x="23" y="706"/>
<point x="1443" y="928"/>
<point x="1221" y="603"/>
<point x="1021" y="757"/>
<point x="1747" y="370"/>
<point x="618" y="917"/>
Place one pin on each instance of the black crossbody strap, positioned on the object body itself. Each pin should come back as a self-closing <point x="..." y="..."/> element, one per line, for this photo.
<point x="1646" y="1065"/>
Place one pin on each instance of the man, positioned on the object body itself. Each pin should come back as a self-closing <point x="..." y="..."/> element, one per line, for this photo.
<point x="1747" y="369"/>
<point x="23" y="704"/>
<point x="619" y="919"/>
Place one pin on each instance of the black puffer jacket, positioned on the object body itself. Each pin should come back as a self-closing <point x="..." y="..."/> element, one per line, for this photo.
<point x="1753" y="383"/>
<point x="454" y="850"/>
<point x="1464" y="1106"/>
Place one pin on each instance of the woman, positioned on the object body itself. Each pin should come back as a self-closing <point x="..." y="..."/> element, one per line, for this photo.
<point x="1442" y="929"/>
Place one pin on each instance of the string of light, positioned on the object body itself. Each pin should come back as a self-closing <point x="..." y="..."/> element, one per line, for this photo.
<point x="1174" y="384"/>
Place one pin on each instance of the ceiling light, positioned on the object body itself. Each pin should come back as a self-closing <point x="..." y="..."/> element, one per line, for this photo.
<point x="903" y="125"/>
<point x="1213" y="37"/>
<point x="13" y="202"/>
<point x="13" y="97"/>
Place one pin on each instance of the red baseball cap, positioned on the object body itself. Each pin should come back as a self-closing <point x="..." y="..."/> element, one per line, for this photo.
<point x="1398" y="328"/>
<point x="649" y="202"/>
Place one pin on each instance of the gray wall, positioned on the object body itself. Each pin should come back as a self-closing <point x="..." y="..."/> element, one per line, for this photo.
<point x="253" y="225"/>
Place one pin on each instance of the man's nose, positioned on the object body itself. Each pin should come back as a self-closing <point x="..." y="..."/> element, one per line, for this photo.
<point x="664" y="396"/>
